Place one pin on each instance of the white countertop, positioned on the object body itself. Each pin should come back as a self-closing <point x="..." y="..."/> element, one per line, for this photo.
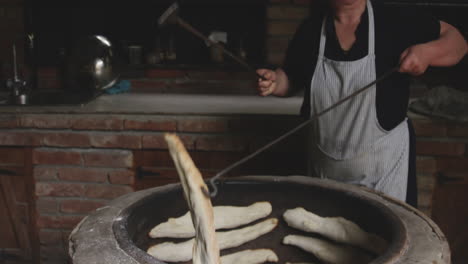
<point x="196" y="104"/>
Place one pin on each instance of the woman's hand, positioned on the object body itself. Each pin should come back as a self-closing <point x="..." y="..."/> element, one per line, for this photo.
<point x="414" y="60"/>
<point x="447" y="50"/>
<point x="268" y="85"/>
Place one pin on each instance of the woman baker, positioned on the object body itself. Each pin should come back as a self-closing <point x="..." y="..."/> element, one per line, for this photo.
<point x="343" y="46"/>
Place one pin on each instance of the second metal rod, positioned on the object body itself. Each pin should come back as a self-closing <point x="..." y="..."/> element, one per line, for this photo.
<point x="197" y="33"/>
<point x="294" y="130"/>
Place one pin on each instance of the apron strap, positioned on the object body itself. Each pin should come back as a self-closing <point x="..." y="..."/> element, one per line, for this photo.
<point x="370" y="14"/>
<point x="323" y="38"/>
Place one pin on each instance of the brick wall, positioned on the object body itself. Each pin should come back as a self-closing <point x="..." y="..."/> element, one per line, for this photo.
<point x="81" y="162"/>
<point x="209" y="81"/>
<point x="441" y="147"/>
<point x="284" y="16"/>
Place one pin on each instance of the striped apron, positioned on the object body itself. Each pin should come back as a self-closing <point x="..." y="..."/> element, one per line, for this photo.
<point x="349" y="144"/>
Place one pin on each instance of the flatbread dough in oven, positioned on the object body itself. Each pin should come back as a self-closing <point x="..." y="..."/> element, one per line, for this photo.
<point x="225" y="217"/>
<point x="328" y="252"/>
<point x="180" y="252"/>
<point x="337" y="229"/>
<point x="205" y="246"/>
<point x="250" y="256"/>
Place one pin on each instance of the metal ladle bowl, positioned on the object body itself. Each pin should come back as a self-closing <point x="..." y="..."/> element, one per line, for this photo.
<point x="92" y="65"/>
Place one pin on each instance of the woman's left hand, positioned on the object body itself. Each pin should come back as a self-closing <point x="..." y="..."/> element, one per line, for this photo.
<point x="414" y="60"/>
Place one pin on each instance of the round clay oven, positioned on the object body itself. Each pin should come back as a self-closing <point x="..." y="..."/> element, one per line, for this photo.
<point x="118" y="233"/>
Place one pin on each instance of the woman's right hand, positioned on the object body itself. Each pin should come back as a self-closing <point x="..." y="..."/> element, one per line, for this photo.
<point x="267" y="85"/>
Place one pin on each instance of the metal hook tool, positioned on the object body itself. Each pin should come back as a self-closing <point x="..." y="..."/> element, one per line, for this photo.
<point x="213" y="180"/>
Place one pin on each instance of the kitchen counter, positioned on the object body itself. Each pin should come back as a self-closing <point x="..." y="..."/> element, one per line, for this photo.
<point x="179" y="104"/>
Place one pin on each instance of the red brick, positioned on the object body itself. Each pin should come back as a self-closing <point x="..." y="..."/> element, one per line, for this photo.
<point x="277" y="44"/>
<point x="148" y="85"/>
<point x="97" y="123"/>
<point x="54" y="254"/>
<point x="271" y="126"/>
<point x="157" y="141"/>
<point x="202" y="125"/>
<point x="108" y="158"/>
<point x="150" y="124"/>
<point x="426" y="181"/>
<point x="215" y="160"/>
<point x="458" y="130"/>
<point x="302" y="2"/>
<point x="166" y="173"/>
<point x="154" y="141"/>
<point x="437" y="148"/>
<point x="112" y="140"/>
<point x="12" y="157"/>
<point x="66" y="236"/>
<point x="122" y="177"/>
<point x="430" y="128"/>
<point x="282" y="28"/>
<point x="50" y="237"/>
<point x="166" y="176"/>
<point x="17" y="138"/>
<point x="164" y="74"/>
<point x="47" y="72"/>
<point x="65" y="139"/>
<point x="53" y="221"/>
<point x="106" y="191"/>
<point x="457" y="178"/>
<point x="453" y="164"/>
<point x="59" y="189"/>
<point x="210" y="75"/>
<point x="275" y="57"/>
<point x="41" y="156"/>
<point x="80" y="206"/>
<point x="425" y="201"/>
<point x="280" y="1"/>
<point x="8" y="121"/>
<point x="158" y="158"/>
<point x="45" y="121"/>
<point x="79" y="174"/>
<point x="46" y="206"/>
<point x="219" y="143"/>
<point x="204" y="75"/>
<point x="287" y="12"/>
<point x="49" y="83"/>
<point x="426" y="165"/>
<point x="45" y="173"/>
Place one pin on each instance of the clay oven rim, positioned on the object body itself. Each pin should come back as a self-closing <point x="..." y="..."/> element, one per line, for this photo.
<point x="126" y="229"/>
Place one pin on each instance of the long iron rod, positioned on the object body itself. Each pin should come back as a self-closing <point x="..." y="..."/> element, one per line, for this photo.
<point x="294" y="130"/>
<point x="197" y="33"/>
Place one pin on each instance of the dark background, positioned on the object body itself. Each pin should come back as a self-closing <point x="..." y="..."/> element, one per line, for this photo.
<point x="59" y="24"/>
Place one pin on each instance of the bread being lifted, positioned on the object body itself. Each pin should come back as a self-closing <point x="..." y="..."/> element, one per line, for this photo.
<point x="205" y="246"/>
